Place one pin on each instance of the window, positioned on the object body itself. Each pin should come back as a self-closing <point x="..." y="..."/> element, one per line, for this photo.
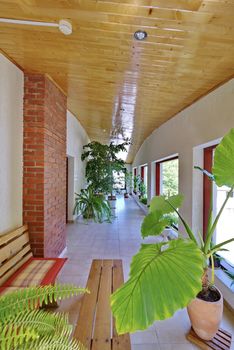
<point x="167" y="177"/>
<point x="119" y="180"/>
<point x="225" y="227"/>
<point x="144" y="174"/>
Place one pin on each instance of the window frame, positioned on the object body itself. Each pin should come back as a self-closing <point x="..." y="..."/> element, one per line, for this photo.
<point x="158" y="173"/>
<point x="207" y="187"/>
<point x="208" y="163"/>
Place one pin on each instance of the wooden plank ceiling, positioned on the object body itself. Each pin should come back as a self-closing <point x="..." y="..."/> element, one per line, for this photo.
<point x="117" y="86"/>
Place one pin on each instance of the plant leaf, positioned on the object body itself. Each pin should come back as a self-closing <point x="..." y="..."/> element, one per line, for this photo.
<point x="223" y="168"/>
<point x="153" y="224"/>
<point x="164" y="277"/>
<point x="160" y="203"/>
<point x="205" y="172"/>
<point x="217" y="247"/>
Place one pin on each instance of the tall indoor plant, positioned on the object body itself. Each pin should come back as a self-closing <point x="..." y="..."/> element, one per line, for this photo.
<point x="168" y="276"/>
<point x="102" y="161"/>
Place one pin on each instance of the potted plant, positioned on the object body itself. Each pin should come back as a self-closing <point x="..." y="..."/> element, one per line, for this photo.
<point x="102" y="160"/>
<point x="168" y="276"/>
<point x="128" y="184"/>
<point x="144" y="200"/>
<point x="92" y="206"/>
<point x="136" y="180"/>
<point x="142" y="189"/>
<point x="24" y="325"/>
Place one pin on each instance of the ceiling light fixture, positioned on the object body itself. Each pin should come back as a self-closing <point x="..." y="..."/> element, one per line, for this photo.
<point x="140" y="35"/>
<point x="64" y="26"/>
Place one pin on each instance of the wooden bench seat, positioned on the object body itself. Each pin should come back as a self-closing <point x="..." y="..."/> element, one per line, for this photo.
<point x="18" y="268"/>
<point x="96" y="326"/>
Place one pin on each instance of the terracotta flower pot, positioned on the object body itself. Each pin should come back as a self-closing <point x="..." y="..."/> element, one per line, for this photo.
<point x="206" y="316"/>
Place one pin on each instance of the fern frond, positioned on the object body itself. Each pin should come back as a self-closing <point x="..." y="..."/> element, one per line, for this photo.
<point x="54" y="343"/>
<point x="34" y="297"/>
<point x="11" y="336"/>
<point x="44" y="323"/>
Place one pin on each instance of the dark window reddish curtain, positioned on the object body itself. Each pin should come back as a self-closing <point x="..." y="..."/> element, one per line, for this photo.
<point x="208" y="162"/>
<point x="142" y="172"/>
<point x="157" y="178"/>
<point x="135" y="172"/>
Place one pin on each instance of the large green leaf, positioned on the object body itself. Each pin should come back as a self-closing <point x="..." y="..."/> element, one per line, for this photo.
<point x="153" y="224"/>
<point x="164" y="277"/>
<point x="223" y="168"/>
<point x="162" y="203"/>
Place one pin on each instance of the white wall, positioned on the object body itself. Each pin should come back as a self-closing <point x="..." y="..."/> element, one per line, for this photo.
<point x="76" y="139"/>
<point x="11" y="145"/>
<point x="206" y="120"/>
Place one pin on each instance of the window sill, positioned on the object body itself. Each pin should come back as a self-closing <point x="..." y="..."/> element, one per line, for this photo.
<point x="219" y="274"/>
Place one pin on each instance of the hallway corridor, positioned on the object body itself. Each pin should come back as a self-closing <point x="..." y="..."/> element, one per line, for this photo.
<point x="120" y="240"/>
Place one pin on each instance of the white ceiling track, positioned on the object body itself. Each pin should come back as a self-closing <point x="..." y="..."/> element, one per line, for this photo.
<point x="64" y="26"/>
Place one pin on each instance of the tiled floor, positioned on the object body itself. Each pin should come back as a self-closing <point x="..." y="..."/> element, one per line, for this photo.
<point x="120" y="240"/>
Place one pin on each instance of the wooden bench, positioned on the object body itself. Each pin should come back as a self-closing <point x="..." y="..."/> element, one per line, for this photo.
<point x="96" y="326"/>
<point x="18" y="267"/>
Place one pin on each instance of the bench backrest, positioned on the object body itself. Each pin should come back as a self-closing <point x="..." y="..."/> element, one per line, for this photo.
<point x="15" y="250"/>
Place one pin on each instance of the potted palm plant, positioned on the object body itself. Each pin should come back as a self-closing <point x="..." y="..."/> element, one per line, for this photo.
<point x="92" y="206"/>
<point x="168" y="276"/>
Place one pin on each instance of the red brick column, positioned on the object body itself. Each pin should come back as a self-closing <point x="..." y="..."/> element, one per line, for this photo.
<point x="44" y="194"/>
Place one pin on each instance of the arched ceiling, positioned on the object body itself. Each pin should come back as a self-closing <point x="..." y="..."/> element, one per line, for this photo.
<point x="116" y="85"/>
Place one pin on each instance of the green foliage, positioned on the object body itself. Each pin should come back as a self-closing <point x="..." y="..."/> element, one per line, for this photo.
<point x="102" y="160"/>
<point x="23" y="325"/>
<point x="92" y="206"/>
<point x="136" y="181"/>
<point x="144" y="200"/>
<point x="173" y="219"/>
<point x="128" y="181"/>
<point x="170" y="177"/>
<point x="223" y="168"/>
<point x="142" y="188"/>
<point x="158" y="272"/>
<point x="165" y="277"/>
<point x="154" y="224"/>
<point x="166" y="205"/>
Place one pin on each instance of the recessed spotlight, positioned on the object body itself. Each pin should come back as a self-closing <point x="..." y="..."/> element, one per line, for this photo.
<point x="140" y="35"/>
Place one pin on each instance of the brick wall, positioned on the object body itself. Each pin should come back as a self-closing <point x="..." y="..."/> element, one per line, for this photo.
<point x="44" y="193"/>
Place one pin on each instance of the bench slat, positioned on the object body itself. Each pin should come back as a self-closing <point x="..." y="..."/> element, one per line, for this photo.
<point x="13" y="247"/>
<point x="84" y="329"/>
<point x="102" y="330"/>
<point x="96" y="326"/>
<point x="9" y="236"/>
<point x="5" y="277"/>
<point x="10" y="263"/>
<point x="120" y="342"/>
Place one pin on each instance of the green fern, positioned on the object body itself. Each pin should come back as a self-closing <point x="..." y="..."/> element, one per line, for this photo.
<point x="23" y="325"/>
